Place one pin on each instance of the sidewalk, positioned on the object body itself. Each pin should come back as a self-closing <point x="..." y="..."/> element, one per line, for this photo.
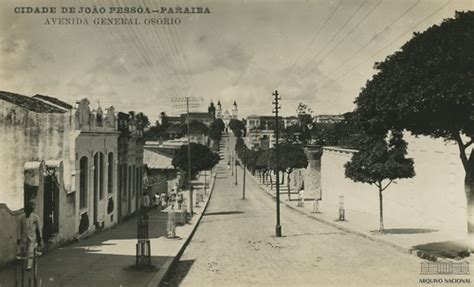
<point x="426" y="243"/>
<point x="99" y="260"/>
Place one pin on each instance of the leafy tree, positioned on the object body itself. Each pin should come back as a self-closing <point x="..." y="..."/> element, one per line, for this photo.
<point x="202" y="158"/>
<point x="220" y="124"/>
<point x="215" y="133"/>
<point x="263" y="162"/>
<point x="140" y="119"/>
<point x="155" y="132"/>
<point x="427" y="88"/>
<point x="379" y="163"/>
<point x="237" y="127"/>
<point x="291" y="157"/>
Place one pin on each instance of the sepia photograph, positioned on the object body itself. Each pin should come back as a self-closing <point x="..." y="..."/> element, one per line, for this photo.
<point x="166" y="143"/>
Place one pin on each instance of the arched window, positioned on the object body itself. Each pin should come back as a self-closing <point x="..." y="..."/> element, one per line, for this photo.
<point x="110" y="173"/>
<point x="83" y="181"/>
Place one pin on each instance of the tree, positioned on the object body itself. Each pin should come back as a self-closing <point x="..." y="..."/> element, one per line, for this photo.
<point x="155" y="132"/>
<point x="202" y="158"/>
<point x="427" y="88"/>
<point x="292" y="157"/>
<point x="219" y="124"/>
<point x="141" y="120"/>
<point x="378" y="161"/>
<point x="215" y="133"/>
<point x="237" y="127"/>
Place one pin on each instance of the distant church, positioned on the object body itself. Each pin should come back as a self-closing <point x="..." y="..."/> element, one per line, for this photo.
<point x="226" y="116"/>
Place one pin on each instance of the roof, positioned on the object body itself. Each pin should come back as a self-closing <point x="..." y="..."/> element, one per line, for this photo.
<point x="54" y="101"/>
<point x="29" y="103"/>
<point x="157" y="161"/>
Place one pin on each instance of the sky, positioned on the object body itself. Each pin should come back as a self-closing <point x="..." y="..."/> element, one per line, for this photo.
<point x="318" y="52"/>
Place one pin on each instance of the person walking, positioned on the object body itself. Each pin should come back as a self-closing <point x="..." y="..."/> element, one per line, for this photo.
<point x="29" y="233"/>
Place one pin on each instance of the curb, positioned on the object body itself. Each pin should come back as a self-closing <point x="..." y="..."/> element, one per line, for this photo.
<point x="346" y="229"/>
<point x="170" y="262"/>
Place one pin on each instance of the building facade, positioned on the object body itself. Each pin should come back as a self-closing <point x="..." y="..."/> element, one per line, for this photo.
<point x="66" y="159"/>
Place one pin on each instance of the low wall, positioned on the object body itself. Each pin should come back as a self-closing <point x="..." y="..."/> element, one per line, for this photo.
<point x="434" y="198"/>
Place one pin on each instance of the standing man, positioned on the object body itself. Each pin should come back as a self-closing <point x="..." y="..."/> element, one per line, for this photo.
<point x="29" y="233"/>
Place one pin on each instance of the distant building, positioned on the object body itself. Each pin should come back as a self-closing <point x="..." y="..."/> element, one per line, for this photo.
<point x="227" y="116"/>
<point x="328" y="119"/>
<point x="204" y="118"/>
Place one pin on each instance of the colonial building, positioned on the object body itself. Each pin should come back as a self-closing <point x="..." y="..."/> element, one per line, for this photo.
<point x="65" y="159"/>
<point x="130" y="165"/>
<point x="226" y="116"/>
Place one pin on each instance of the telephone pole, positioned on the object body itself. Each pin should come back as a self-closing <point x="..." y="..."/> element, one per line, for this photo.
<point x="277" y="151"/>
<point x="176" y="105"/>
<point x="189" y="161"/>
<point x="243" y="183"/>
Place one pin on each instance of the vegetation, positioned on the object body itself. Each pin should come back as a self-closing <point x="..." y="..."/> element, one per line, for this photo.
<point x="427" y="88"/>
<point x="379" y="162"/>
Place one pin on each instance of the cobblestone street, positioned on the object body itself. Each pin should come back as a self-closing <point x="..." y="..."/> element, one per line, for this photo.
<point x="235" y="245"/>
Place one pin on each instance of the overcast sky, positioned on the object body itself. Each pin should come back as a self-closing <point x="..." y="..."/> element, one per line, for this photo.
<point x="319" y="52"/>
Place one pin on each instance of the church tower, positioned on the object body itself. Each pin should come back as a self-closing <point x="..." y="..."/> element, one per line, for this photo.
<point x="234" y="111"/>
<point x="219" y="110"/>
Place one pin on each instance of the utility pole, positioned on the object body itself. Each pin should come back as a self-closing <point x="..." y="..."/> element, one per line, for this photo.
<point x="177" y="106"/>
<point x="235" y="166"/>
<point x="189" y="161"/>
<point x="277" y="151"/>
<point x="232" y="163"/>
<point x="243" y="183"/>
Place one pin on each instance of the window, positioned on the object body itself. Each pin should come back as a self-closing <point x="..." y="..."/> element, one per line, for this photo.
<point x="83" y="181"/>
<point x="110" y="173"/>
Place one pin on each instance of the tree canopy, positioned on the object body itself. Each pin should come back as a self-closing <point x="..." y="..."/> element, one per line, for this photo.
<point x="237" y="127"/>
<point x="202" y="158"/>
<point x="378" y="161"/>
<point x="427" y="87"/>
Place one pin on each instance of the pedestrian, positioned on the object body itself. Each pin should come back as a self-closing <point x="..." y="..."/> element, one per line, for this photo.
<point x="156" y="200"/>
<point x="179" y="199"/>
<point x="163" y="200"/>
<point x="29" y="233"/>
<point x="301" y="198"/>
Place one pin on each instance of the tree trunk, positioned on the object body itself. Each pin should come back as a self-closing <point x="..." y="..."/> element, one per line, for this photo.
<point x="282" y="177"/>
<point x="288" y="185"/>
<point x="271" y="181"/>
<point x="381" y="228"/>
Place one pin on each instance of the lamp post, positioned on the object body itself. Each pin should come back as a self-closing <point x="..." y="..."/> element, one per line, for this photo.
<point x="277" y="164"/>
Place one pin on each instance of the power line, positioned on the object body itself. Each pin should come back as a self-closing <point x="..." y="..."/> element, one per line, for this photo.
<point x="312" y="40"/>
<point x="337" y="33"/>
<point x="328" y="83"/>
<point x="351" y="31"/>
<point x="373" y="38"/>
